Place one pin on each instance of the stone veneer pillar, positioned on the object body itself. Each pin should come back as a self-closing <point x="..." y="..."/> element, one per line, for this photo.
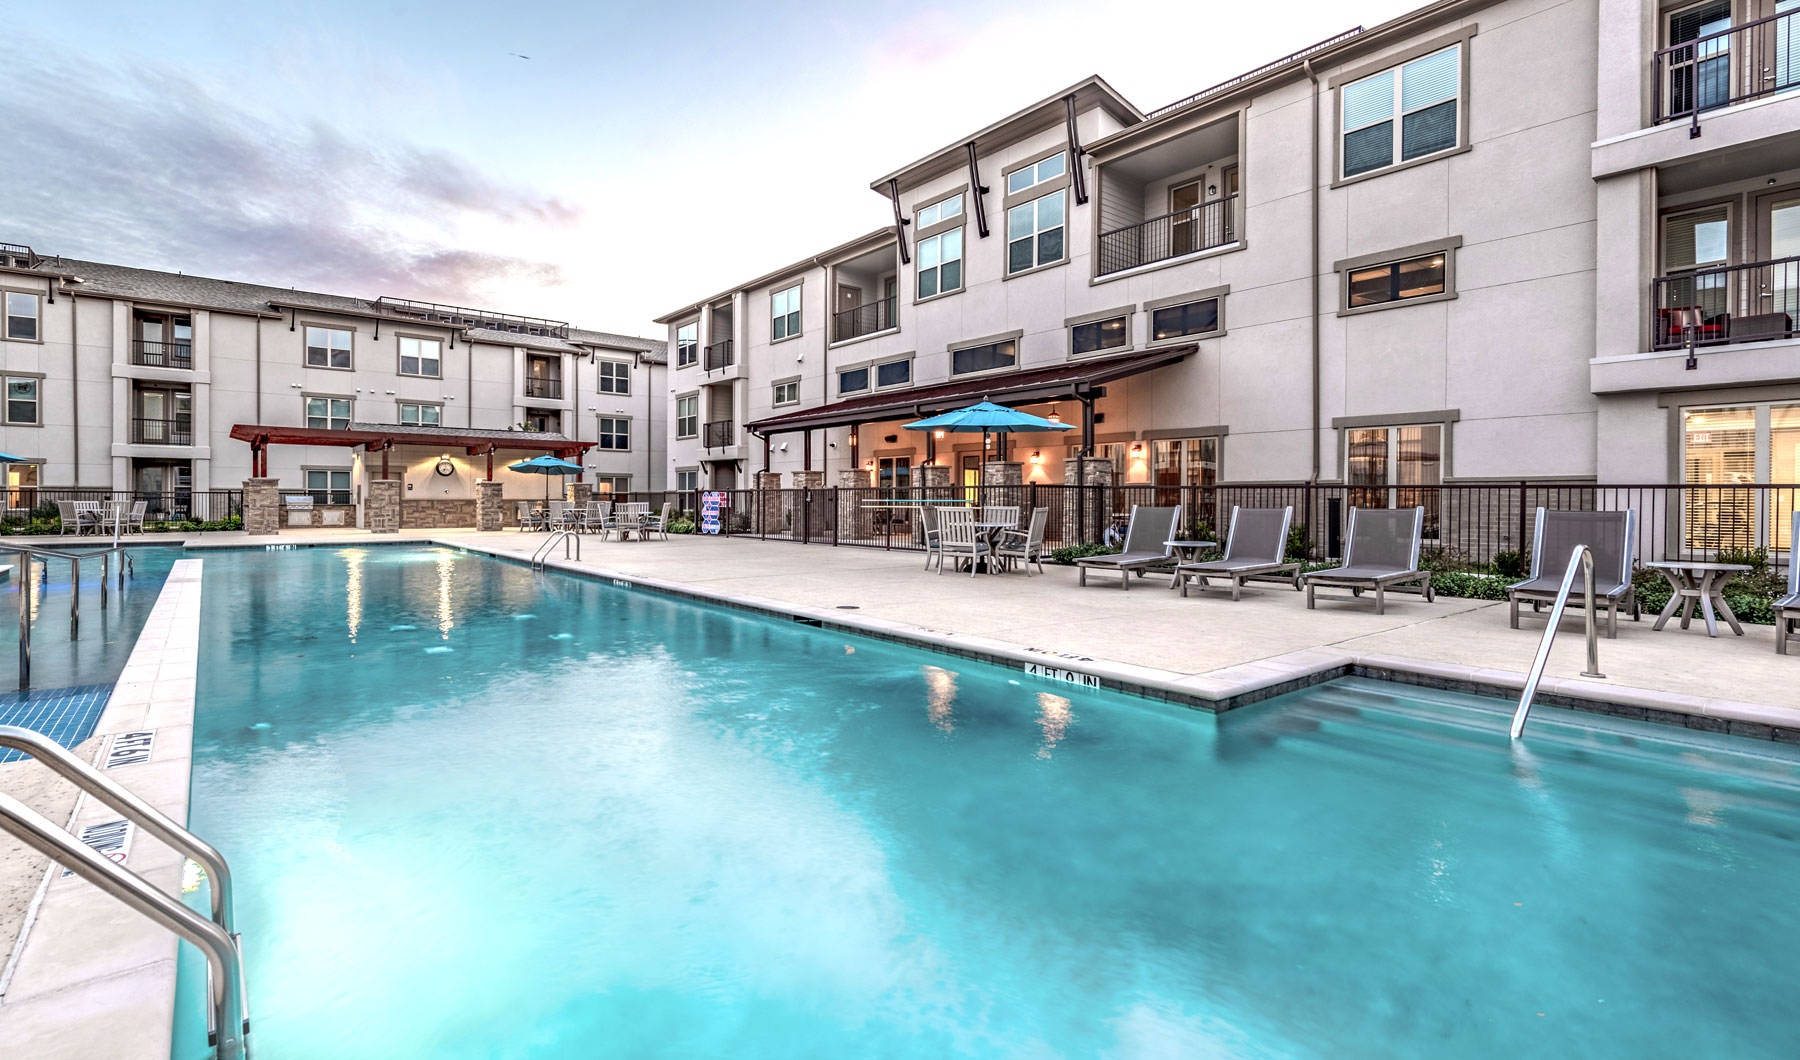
<point x="811" y="517"/>
<point x="490" y="507"/>
<point x="1087" y="512"/>
<point x="768" y="502"/>
<point x="382" y="510"/>
<point x="854" y="520"/>
<point x="262" y="505"/>
<point x="578" y="493"/>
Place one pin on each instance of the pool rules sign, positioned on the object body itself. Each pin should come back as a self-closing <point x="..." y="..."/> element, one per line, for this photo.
<point x="712" y="507"/>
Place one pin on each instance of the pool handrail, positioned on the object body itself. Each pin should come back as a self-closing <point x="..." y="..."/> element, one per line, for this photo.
<point x="1580" y="558"/>
<point x="543" y="550"/>
<point x="29" y="554"/>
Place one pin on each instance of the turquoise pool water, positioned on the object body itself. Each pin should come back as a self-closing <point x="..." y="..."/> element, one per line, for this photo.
<point x="477" y="812"/>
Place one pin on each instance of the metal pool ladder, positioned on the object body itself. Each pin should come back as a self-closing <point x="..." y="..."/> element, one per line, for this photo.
<point x="1585" y="556"/>
<point x="543" y="550"/>
<point x="228" y="1020"/>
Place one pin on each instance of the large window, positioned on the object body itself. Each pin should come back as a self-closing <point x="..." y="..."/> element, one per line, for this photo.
<point x="893" y="373"/>
<point x="328" y="486"/>
<point x="784" y="314"/>
<point x="687" y="479"/>
<point x="419" y="415"/>
<point x="615" y="377"/>
<point x="1739" y="446"/>
<point x="940" y="263"/>
<point x="1097" y="335"/>
<point x="615" y="433"/>
<point x="1176" y="463"/>
<point x="1697" y="239"/>
<point x="22" y="316"/>
<point x="984" y="358"/>
<point x="687" y="344"/>
<point x="1034" y="232"/>
<point x="853" y="380"/>
<point x="1199" y="317"/>
<point x="22" y="399"/>
<point x="1402" y="113"/>
<point x="331" y="414"/>
<point x="1396" y="281"/>
<point x="327" y="347"/>
<point x="1382" y="465"/>
<point x="421" y="356"/>
<point x="687" y="416"/>
<point x="1699" y="75"/>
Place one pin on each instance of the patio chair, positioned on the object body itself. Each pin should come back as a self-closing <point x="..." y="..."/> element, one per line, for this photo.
<point x="595" y="516"/>
<point x="70" y="519"/>
<point x="1146" y="545"/>
<point x="1000" y="513"/>
<point x="87" y="516"/>
<point x="658" y="524"/>
<point x="1026" y="546"/>
<point x="530" y="518"/>
<point x="1255" y="547"/>
<point x="1787" y="609"/>
<point x="1382" y="552"/>
<point x="1613" y="538"/>
<point x="928" y="529"/>
<point x="134" y="522"/>
<point x="958" y="539"/>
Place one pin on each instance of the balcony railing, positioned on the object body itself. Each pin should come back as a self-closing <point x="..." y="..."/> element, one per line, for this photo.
<point x="543" y="388"/>
<point x="1725" y="304"/>
<point x="720" y="433"/>
<point x="1742" y="63"/>
<point x="1203" y="227"/>
<point x="162" y="432"/>
<point x="162" y="354"/>
<point x="720" y="355"/>
<point x="861" y="320"/>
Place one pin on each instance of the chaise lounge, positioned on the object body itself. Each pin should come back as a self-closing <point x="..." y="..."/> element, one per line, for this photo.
<point x="1255" y="546"/>
<point x="1147" y="539"/>
<point x="1382" y="553"/>
<point x="1613" y="538"/>
<point x="1787" y="609"/>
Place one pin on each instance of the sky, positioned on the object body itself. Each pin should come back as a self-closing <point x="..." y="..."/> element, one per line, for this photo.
<point x="603" y="164"/>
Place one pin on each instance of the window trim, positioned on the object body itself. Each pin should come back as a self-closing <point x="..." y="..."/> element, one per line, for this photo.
<point x="1460" y="37"/>
<point x="400" y="412"/>
<point x="1129" y="312"/>
<point x="6" y="378"/>
<point x="6" y="317"/>
<point x="305" y="346"/>
<point x="695" y="359"/>
<point x="1006" y="244"/>
<point x="799" y="311"/>
<point x="943" y="225"/>
<point x="1009" y="199"/>
<point x="349" y="474"/>
<point x="861" y="366"/>
<point x="349" y="417"/>
<point x="1149" y="310"/>
<point x="1443" y="418"/>
<point x="793" y="381"/>
<point x="600" y="433"/>
<point x="600" y="377"/>
<point x="400" y="358"/>
<point x="1446" y="247"/>
<point x="963" y="257"/>
<point x="1017" y="338"/>
<point x="676" y="418"/>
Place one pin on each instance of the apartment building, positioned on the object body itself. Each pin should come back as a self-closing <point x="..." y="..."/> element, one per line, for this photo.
<point x="166" y="386"/>
<point x="1471" y="244"/>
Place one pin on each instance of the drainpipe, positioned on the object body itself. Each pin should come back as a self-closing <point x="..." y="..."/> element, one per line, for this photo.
<point x="74" y="385"/>
<point x="1313" y="269"/>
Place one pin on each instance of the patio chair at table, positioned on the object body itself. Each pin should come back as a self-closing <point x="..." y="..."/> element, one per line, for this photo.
<point x="593" y="520"/>
<point x="959" y="539"/>
<point x="658" y="524"/>
<point x="1787" y="609"/>
<point x="87" y="516"/>
<point x="69" y="517"/>
<point x="134" y="522"/>
<point x="1612" y="536"/>
<point x="928" y="529"/>
<point x="1382" y="552"/>
<point x="1146" y="545"/>
<point x="994" y="514"/>
<point x="1255" y="547"/>
<point x="1026" y="546"/>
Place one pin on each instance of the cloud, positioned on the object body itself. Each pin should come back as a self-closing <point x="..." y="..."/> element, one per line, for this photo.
<point x="150" y="168"/>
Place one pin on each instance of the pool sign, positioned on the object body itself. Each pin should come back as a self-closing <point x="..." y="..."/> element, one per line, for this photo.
<point x="111" y="840"/>
<point x="712" y="506"/>
<point x="1073" y="677"/>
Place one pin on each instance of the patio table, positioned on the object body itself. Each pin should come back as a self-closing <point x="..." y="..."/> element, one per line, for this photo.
<point x="1694" y="583"/>
<point x="989" y="533"/>
<point x="1186" y="552"/>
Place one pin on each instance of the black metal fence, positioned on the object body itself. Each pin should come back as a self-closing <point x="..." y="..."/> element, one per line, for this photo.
<point x="1754" y="302"/>
<point x="720" y="355"/>
<point x="162" y="509"/>
<point x="862" y="320"/>
<point x="1210" y="224"/>
<point x="1736" y="64"/>
<point x="162" y="354"/>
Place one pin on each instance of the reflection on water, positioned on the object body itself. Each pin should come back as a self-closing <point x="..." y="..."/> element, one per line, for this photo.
<point x="940" y="698"/>
<point x="446" y="612"/>
<point x="1055" y="715"/>
<point x="353" y="590"/>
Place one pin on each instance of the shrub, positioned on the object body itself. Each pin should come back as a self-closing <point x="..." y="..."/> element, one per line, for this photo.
<point x="1757" y="559"/>
<point x="1469" y="586"/>
<point x="681" y="525"/>
<point x="1439" y="558"/>
<point x="1297" y="543"/>
<point x="1510" y="564"/>
<point x="1068" y="554"/>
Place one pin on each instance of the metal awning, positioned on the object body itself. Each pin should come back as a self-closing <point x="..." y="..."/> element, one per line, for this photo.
<point x="382" y="435"/>
<point x="1061" y="381"/>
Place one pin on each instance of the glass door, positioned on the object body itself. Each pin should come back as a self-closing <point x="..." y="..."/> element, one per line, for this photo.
<point x="1699" y="75"/>
<point x="1778" y="242"/>
<point x="1183" y="202"/>
<point x="1779" y="43"/>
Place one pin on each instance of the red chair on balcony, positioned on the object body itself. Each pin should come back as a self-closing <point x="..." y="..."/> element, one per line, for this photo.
<point x="1674" y="325"/>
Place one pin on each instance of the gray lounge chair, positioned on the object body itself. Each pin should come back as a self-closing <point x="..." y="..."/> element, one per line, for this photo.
<point x="1255" y="546"/>
<point x="1787" y="609"/>
<point x="1146" y="545"/>
<point x="1382" y="552"/>
<point x="1613" y="538"/>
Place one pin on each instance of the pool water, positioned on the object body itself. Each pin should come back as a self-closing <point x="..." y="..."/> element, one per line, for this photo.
<point x="477" y="812"/>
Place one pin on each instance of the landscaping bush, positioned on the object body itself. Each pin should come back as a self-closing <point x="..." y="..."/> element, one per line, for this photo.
<point x="1469" y="585"/>
<point x="1297" y="543"/>
<point x="1439" y="558"/>
<point x="1068" y="554"/>
<point x="1510" y="564"/>
<point x="681" y="524"/>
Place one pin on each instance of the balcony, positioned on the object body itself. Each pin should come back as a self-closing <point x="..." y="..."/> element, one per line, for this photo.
<point x="162" y="432"/>
<point x="1725" y="304"/>
<point x="162" y="354"/>
<point x="1733" y="65"/>
<point x="1203" y="227"/>
<point x="860" y="320"/>
<point x="544" y="388"/>
<point x="720" y="355"/>
<point x="719" y="434"/>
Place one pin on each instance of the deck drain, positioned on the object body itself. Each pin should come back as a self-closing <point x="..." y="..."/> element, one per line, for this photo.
<point x="849" y="607"/>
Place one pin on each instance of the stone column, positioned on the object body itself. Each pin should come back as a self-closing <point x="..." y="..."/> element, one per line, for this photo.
<point x="811" y="519"/>
<point x="1003" y="482"/>
<point x="578" y="493"/>
<point x="1086" y="512"/>
<point x="854" y="520"/>
<point x="490" y="508"/>
<point x="383" y="507"/>
<point x="768" y="502"/>
<point x="262" y="505"/>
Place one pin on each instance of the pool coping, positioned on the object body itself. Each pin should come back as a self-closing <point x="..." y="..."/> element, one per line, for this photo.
<point x="94" y="978"/>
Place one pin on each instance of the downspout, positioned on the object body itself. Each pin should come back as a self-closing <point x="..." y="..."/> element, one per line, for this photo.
<point x="74" y="378"/>
<point x="1313" y="268"/>
<point x="259" y="414"/>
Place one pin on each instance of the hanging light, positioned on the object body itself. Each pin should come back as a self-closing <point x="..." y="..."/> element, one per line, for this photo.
<point x="1053" y="417"/>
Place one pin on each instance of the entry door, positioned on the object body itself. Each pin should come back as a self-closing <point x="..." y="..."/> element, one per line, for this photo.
<point x="1183" y="200"/>
<point x="1777" y="68"/>
<point x="894" y="474"/>
<point x="1778" y="238"/>
<point x="971" y="475"/>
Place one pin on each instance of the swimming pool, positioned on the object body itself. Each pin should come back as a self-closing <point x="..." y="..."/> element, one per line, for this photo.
<point x="477" y="812"/>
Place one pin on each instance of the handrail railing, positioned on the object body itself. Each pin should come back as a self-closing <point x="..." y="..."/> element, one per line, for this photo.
<point x="720" y="355"/>
<point x="1755" y="301"/>
<point x="1188" y="231"/>
<point x="154" y="354"/>
<point x="1582" y="557"/>
<point x="1738" y="63"/>
<point x="40" y="554"/>
<point x="543" y="550"/>
<point x="865" y="319"/>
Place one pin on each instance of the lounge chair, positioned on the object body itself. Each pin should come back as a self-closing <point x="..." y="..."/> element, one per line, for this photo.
<point x="1613" y="538"/>
<point x="1255" y="546"/>
<point x="1787" y="609"/>
<point x="1382" y="552"/>
<point x="1026" y="546"/>
<point x="958" y="539"/>
<point x="1147" y="539"/>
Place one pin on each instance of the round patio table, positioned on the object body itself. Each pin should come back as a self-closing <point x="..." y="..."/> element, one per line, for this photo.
<point x="1694" y="583"/>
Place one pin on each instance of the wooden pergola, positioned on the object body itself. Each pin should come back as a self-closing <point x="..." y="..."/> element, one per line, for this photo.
<point x="381" y="438"/>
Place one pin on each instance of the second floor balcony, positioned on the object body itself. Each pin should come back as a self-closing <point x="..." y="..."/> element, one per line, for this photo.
<point x="719" y="433"/>
<point x="147" y="431"/>
<point x="1171" y="235"/>
<point x="543" y="388"/>
<point x="1718" y="64"/>
<point x="859" y="320"/>
<point x="720" y="355"/>
<point x="162" y="354"/>
<point x="1726" y="304"/>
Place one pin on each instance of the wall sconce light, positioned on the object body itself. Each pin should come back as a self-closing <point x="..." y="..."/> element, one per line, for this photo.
<point x="852" y="437"/>
<point x="832" y="445"/>
<point x="1053" y="417"/>
<point x="938" y="435"/>
<point x="1212" y="190"/>
<point x="1137" y="448"/>
<point x="870" y="466"/>
<point x="782" y="448"/>
<point x="390" y="391"/>
<point x="1037" y="456"/>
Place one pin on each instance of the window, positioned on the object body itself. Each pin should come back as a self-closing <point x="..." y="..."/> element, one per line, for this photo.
<point x="687" y="479"/>
<point x="1045" y="169"/>
<point x="20" y="482"/>
<point x="615" y="433"/>
<point x="1698" y="239"/>
<point x="21" y="400"/>
<point x="687" y="344"/>
<point x="1396" y="281"/>
<point x="1380" y="463"/>
<point x="1034" y="232"/>
<point x="1183" y="462"/>
<point x="944" y="210"/>
<point x="1097" y="335"/>
<point x="1199" y="317"/>
<point x="787" y="392"/>
<point x="327" y="347"/>
<point x="856" y="379"/>
<point x="421" y="356"/>
<point x="544" y="421"/>
<point x="328" y="487"/>
<point x="415" y="415"/>
<point x="612" y="485"/>
<point x="687" y="416"/>
<point x="784" y="314"/>
<point x="1699" y="75"/>
<point x="1742" y="445"/>
<point x="332" y="414"/>
<point x="21" y="316"/>
<point x="162" y="340"/>
<point x="1425" y="94"/>
<point x="893" y="373"/>
<point x="940" y="263"/>
<point x="615" y="377"/>
<point x="984" y="358"/>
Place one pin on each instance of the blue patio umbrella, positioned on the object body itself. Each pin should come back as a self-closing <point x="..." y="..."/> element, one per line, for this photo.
<point x="546" y="466"/>
<point x="8" y="458"/>
<point x="988" y="418"/>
